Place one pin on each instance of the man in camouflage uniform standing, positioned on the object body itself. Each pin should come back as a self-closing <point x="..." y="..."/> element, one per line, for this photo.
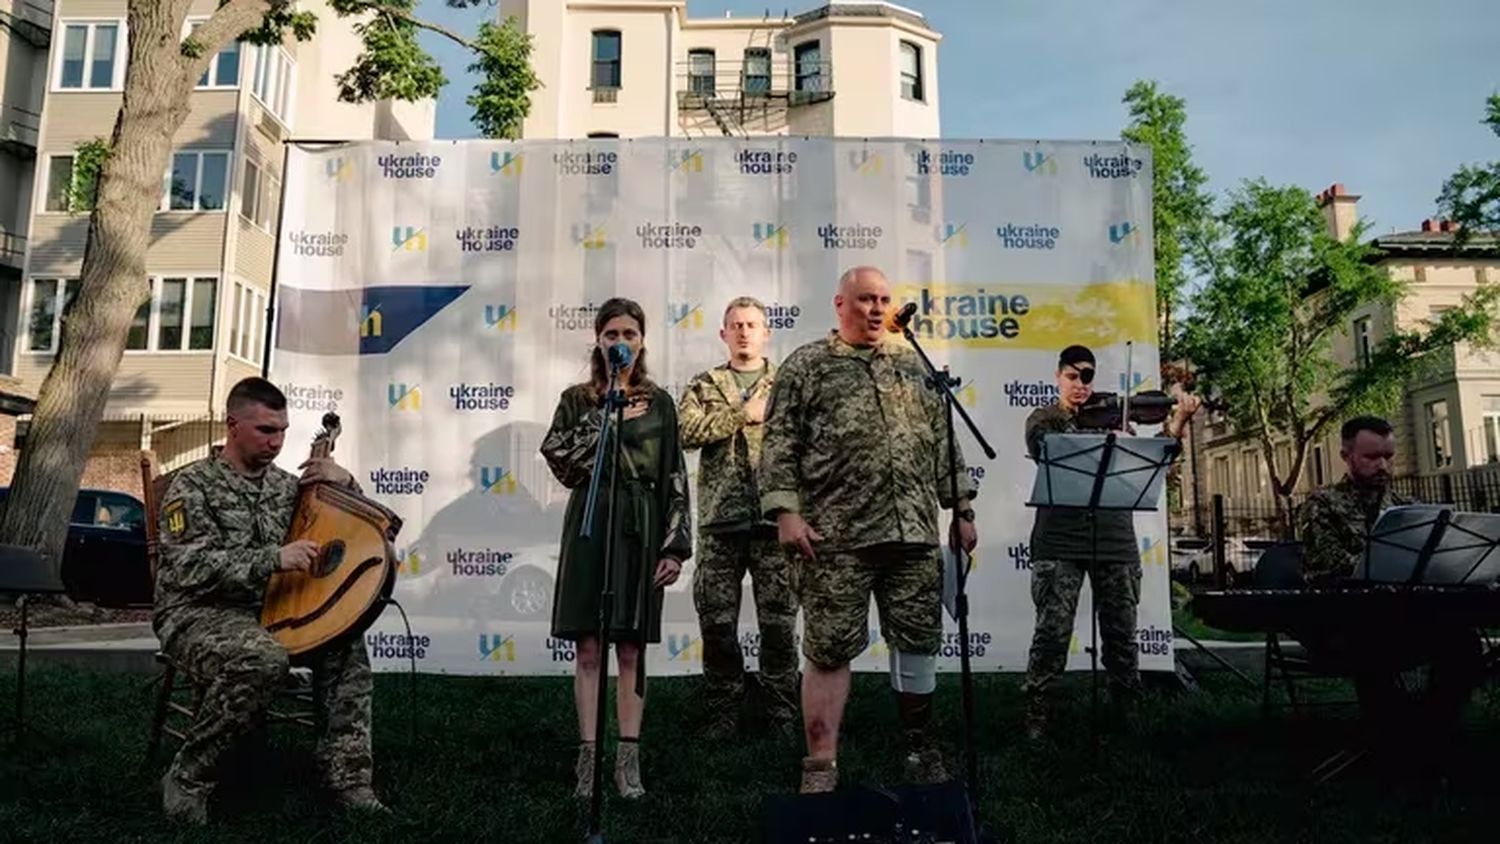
<point x="1334" y="525"/>
<point x="722" y="412"/>
<point x="1068" y="544"/>
<point x="853" y="469"/>
<point x="222" y="525"/>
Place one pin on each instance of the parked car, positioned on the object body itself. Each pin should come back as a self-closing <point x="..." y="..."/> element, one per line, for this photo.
<point x="1192" y="558"/>
<point x="104" y="561"/>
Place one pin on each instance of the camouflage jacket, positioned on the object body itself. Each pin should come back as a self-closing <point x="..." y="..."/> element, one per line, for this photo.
<point x="857" y="442"/>
<point x="221" y="536"/>
<point x="711" y="416"/>
<point x="1333" y="524"/>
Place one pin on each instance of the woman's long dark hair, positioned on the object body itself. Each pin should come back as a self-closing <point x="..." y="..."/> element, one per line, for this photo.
<point x="598" y="369"/>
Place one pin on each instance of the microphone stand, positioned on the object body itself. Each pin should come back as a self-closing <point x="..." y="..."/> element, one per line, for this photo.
<point x="609" y="433"/>
<point x="944" y="383"/>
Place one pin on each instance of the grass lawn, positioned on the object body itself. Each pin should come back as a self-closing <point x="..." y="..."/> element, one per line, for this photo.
<point x="493" y="762"/>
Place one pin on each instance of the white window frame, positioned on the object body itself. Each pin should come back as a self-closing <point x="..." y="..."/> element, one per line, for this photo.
<point x="122" y="54"/>
<point x="165" y="207"/>
<point x="46" y="183"/>
<point x="59" y="300"/>
<point x="247" y="322"/>
<point x="266" y="186"/>
<point x="1491" y="429"/>
<point x="1439" y="428"/>
<point x="919" y="78"/>
<point x="286" y="81"/>
<point x="1364" y="341"/>
<point x="213" y="83"/>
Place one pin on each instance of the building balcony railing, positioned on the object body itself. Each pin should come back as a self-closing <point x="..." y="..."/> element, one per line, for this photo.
<point x="30" y="19"/>
<point x="753" y="83"/>
<point x="20" y="130"/>
<point x="12" y="250"/>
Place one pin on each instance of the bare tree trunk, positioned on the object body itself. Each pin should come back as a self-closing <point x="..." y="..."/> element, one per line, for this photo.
<point x="159" y="82"/>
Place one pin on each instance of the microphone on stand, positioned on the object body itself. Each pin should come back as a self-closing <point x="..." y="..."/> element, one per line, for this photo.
<point x="619" y="357"/>
<point x="897" y="320"/>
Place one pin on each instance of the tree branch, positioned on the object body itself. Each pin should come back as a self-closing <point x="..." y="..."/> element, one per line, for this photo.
<point x="228" y="23"/>
<point x="408" y="17"/>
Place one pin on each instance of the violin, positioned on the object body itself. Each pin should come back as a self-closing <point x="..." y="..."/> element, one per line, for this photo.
<point x="1147" y="407"/>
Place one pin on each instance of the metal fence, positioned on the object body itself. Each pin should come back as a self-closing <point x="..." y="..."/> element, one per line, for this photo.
<point x="1232" y="536"/>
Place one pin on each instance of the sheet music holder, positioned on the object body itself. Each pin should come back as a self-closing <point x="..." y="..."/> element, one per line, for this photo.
<point x="1100" y="472"/>
<point x="1432" y="545"/>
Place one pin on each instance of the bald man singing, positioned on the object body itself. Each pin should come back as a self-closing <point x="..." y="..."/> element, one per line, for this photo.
<point x="854" y="467"/>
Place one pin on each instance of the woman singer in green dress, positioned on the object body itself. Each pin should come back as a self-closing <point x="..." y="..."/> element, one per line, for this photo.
<point x="652" y="539"/>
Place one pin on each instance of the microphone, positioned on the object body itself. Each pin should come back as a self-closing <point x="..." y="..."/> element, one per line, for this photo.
<point x="619" y="356"/>
<point x="896" y="321"/>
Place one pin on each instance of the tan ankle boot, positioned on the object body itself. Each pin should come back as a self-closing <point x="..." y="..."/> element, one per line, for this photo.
<point x="628" y="771"/>
<point x="583" y="769"/>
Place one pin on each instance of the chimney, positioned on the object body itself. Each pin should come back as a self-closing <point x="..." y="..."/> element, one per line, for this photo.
<point x="1429" y="225"/>
<point x="1339" y="207"/>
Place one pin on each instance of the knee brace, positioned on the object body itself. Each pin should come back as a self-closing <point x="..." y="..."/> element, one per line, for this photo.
<point x="914" y="673"/>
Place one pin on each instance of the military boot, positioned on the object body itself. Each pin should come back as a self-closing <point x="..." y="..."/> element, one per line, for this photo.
<point x="924" y="760"/>
<point x="184" y="802"/>
<point x="819" y="775"/>
<point x="360" y="798"/>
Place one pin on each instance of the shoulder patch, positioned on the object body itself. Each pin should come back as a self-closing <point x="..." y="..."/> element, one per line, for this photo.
<point x="175" y="515"/>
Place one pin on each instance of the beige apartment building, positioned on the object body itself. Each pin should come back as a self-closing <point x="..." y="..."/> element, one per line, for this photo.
<point x="1448" y="419"/>
<point x="62" y="68"/>
<point x="644" y="68"/>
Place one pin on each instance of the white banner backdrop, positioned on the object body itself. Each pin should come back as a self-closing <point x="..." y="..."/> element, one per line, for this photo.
<point x="440" y="297"/>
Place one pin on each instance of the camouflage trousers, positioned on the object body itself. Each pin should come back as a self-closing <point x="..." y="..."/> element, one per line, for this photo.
<point x="723" y="560"/>
<point x="836" y="587"/>
<point x="1054" y="590"/>
<point x="244" y="668"/>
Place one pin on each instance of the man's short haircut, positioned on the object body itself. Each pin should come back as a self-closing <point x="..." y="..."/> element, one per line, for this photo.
<point x="1374" y="424"/>
<point x="744" y="302"/>
<point x="255" y="390"/>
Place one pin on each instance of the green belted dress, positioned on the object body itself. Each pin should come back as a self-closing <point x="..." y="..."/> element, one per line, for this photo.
<point x="653" y="518"/>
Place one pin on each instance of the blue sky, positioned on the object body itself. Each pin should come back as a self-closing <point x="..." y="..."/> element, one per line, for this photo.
<point x="1383" y="95"/>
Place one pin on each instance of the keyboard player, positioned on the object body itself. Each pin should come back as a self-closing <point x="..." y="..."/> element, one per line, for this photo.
<point x="1334" y="525"/>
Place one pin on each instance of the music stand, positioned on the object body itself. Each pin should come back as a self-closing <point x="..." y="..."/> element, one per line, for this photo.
<point x="1096" y="472"/>
<point x="1432" y="546"/>
<point x="25" y="571"/>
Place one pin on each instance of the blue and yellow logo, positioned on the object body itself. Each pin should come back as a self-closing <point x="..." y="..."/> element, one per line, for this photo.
<point x="685" y="315"/>
<point x="408" y="239"/>
<point x="497" y="647"/>
<point x="371" y="323"/>
<point x="1126" y="232"/>
<point x="338" y="169"/>
<point x="500" y="317"/>
<point x="685" y="160"/>
<point x="589" y="236"/>
<point x="866" y="163"/>
<point x="408" y="562"/>
<point x="495" y="480"/>
<point x="771" y="235"/>
<point x="404" y="398"/>
<point x="507" y="163"/>
<point x="683" y="647"/>
<point x="1153" y="553"/>
<point x="1039" y="162"/>
<point x="953" y="234"/>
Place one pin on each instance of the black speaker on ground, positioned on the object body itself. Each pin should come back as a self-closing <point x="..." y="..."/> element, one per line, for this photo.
<point x="919" y="814"/>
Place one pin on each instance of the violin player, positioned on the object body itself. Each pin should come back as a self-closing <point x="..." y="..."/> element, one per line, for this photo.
<point x="1065" y="547"/>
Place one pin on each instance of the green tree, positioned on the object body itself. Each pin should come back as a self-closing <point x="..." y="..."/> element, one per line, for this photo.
<point x="1471" y="197"/>
<point x="1179" y="202"/>
<point x="1279" y="289"/>
<point x="161" y="71"/>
